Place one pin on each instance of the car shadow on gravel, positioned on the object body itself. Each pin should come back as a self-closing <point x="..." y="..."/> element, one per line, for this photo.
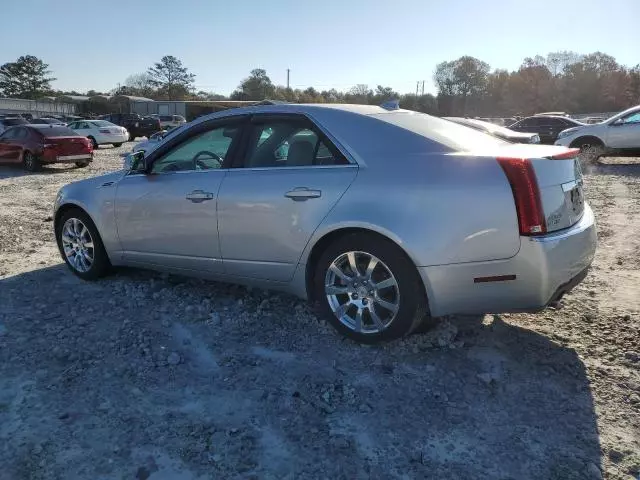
<point x="191" y="379"/>
<point x="16" y="171"/>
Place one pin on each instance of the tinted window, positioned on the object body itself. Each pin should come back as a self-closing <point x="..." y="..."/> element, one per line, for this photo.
<point x="166" y="118"/>
<point x="288" y="144"/>
<point x="8" y="122"/>
<point x="555" y="122"/>
<point x="9" y="134"/>
<point x="56" y="131"/>
<point x="204" y="151"/>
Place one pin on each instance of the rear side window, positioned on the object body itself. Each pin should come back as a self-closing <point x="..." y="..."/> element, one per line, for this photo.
<point x="288" y="143"/>
<point x="457" y="137"/>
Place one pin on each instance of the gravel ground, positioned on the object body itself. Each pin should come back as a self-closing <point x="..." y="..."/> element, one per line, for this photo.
<point x="148" y="376"/>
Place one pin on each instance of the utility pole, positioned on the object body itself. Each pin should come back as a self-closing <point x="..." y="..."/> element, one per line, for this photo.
<point x="287" y="78"/>
<point x="423" y="87"/>
<point x="417" y="84"/>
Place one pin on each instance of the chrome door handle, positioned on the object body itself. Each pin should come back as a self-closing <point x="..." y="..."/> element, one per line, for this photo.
<point x="300" y="194"/>
<point x="199" y="196"/>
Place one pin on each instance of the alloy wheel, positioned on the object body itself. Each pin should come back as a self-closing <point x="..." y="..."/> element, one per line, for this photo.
<point x="362" y="292"/>
<point x="77" y="245"/>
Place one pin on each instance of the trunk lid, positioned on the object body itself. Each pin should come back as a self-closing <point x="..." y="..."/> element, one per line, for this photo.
<point x="559" y="181"/>
<point x="75" y="145"/>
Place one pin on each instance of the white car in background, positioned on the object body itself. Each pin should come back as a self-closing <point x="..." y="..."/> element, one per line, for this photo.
<point x="620" y="133"/>
<point x="167" y="121"/>
<point x="100" y="132"/>
<point x="154" y="140"/>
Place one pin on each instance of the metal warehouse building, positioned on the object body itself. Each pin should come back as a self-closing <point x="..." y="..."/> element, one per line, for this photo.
<point x="189" y="109"/>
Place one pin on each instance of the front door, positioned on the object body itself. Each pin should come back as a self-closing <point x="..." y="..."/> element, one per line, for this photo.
<point x="288" y="179"/>
<point x="167" y="217"/>
<point x="625" y="133"/>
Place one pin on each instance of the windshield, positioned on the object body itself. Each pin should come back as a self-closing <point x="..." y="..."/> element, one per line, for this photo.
<point x="56" y="131"/>
<point x="450" y="134"/>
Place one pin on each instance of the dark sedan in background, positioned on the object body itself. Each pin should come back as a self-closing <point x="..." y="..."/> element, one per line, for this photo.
<point x="496" y="130"/>
<point x="546" y="126"/>
<point x="35" y="145"/>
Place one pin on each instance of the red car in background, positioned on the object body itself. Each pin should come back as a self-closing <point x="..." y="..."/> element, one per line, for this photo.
<point x="36" y="145"/>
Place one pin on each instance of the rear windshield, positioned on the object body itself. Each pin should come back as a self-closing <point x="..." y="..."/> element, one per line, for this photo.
<point x="452" y="135"/>
<point x="102" y="123"/>
<point x="57" y="131"/>
<point x="9" y="122"/>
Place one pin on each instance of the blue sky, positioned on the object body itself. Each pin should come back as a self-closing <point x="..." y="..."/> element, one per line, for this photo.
<point x="94" y="44"/>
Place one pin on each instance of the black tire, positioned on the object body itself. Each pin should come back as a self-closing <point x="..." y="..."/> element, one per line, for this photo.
<point x="94" y="143"/>
<point x="131" y="137"/>
<point x="101" y="264"/>
<point x="31" y="162"/>
<point x="412" y="301"/>
<point x="117" y="145"/>
<point x="82" y="164"/>
<point x="591" y="148"/>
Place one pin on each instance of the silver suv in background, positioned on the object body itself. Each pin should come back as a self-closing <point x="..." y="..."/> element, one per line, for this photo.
<point x="620" y="133"/>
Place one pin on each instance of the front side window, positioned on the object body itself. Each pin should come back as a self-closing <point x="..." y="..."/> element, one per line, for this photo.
<point x="633" y="118"/>
<point x="288" y="143"/>
<point x="204" y="151"/>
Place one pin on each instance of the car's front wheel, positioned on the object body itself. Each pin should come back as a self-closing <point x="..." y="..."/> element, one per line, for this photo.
<point x="81" y="246"/>
<point x="369" y="289"/>
<point x="94" y="143"/>
<point x="117" y="145"/>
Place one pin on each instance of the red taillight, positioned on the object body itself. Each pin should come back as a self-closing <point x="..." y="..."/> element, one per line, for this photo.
<point x="526" y="194"/>
<point x="571" y="153"/>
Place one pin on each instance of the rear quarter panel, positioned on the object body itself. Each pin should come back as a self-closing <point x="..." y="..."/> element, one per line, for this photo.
<point x="441" y="208"/>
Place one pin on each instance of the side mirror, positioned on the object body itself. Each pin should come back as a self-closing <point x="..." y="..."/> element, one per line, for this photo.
<point x="135" y="162"/>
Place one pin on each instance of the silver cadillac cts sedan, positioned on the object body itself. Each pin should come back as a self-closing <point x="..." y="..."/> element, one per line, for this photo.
<point x="386" y="218"/>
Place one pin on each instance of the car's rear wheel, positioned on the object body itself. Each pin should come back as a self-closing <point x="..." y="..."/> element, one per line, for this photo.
<point x="117" y="145"/>
<point x="81" y="246"/>
<point x="368" y="289"/>
<point x="94" y="143"/>
<point x="31" y="162"/>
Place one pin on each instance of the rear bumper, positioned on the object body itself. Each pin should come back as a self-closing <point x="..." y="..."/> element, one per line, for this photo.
<point x="83" y="157"/>
<point x="112" y="138"/>
<point x="545" y="268"/>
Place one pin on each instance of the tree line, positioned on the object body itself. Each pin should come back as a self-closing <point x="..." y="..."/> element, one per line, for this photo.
<point x="560" y="81"/>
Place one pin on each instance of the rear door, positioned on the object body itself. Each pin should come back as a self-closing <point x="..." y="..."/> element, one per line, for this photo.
<point x="625" y="133"/>
<point x="288" y="177"/>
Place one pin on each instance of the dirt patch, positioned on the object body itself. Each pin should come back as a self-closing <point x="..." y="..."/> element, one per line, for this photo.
<point x="148" y="376"/>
